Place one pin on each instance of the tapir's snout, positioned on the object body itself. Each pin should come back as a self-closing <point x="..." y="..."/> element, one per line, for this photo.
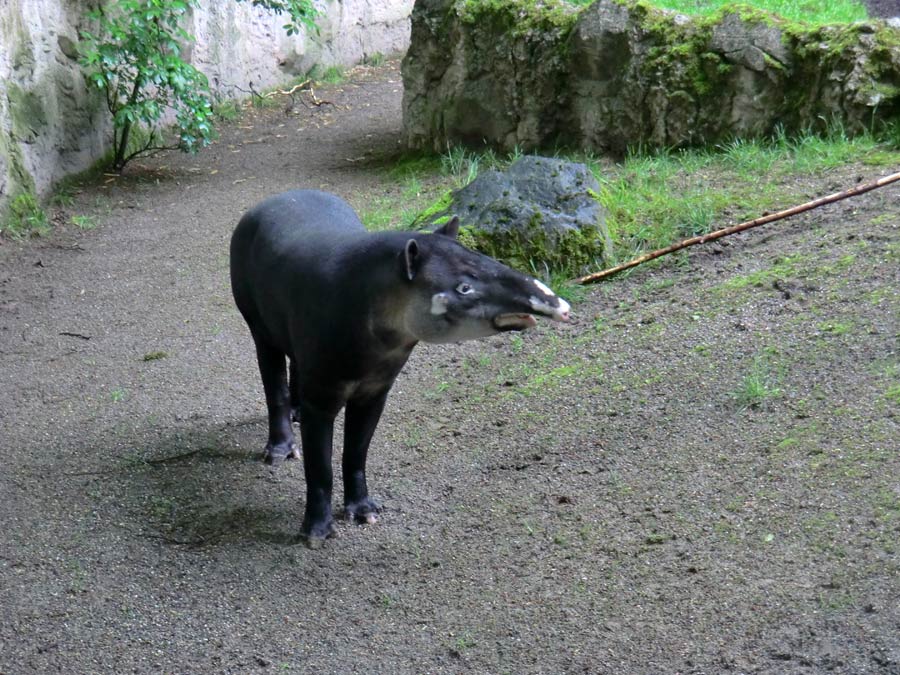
<point x="544" y="302"/>
<point x="561" y="311"/>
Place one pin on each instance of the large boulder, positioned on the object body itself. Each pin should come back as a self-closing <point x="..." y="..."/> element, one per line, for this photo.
<point x="540" y="214"/>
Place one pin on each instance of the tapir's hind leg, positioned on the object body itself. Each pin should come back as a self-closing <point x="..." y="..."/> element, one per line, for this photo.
<point x="360" y="421"/>
<point x="272" y="369"/>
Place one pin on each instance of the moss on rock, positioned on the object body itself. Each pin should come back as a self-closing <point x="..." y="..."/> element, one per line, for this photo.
<point x="26" y="111"/>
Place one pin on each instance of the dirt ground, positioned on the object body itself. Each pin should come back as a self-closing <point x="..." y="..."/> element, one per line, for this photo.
<point x="597" y="497"/>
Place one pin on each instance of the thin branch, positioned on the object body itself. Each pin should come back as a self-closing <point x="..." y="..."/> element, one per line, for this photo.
<point x="289" y="92"/>
<point x="718" y="234"/>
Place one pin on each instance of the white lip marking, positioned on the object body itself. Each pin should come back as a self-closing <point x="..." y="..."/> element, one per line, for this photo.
<point x="540" y="306"/>
<point x="560" y="313"/>
<point x="439" y="302"/>
<point x="543" y="289"/>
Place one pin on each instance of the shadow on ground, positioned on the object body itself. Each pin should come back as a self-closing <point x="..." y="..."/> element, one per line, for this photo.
<point x="208" y="487"/>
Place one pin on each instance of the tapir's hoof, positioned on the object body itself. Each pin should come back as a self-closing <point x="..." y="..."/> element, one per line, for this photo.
<point x="363" y="511"/>
<point x="315" y="536"/>
<point x="276" y="454"/>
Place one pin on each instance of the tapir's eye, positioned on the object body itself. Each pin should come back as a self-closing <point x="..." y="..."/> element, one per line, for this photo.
<point x="464" y="289"/>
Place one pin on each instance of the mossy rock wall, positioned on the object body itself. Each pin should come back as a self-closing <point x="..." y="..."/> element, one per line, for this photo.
<point x="620" y="73"/>
<point x="50" y="124"/>
<point x="489" y="70"/>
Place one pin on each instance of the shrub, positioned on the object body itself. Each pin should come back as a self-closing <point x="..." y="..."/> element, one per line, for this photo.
<point x="135" y="59"/>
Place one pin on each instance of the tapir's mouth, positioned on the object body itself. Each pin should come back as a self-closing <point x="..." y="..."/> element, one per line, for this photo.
<point x="523" y="320"/>
<point x="514" y="321"/>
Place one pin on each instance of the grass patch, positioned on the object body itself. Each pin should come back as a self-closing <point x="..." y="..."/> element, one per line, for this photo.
<point x="375" y="60"/>
<point x="333" y="75"/>
<point x="84" y="222"/>
<point x="227" y="110"/>
<point x="63" y="195"/>
<point x="414" y="165"/>
<point x="758" y="388"/>
<point x="655" y="199"/>
<point x="25" y="218"/>
<point x="815" y="12"/>
<point x="780" y="269"/>
<point x="893" y="395"/>
<point x="836" y="327"/>
<point x="463" y="165"/>
<point x="564" y="288"/>
<point x="384" y="213"/>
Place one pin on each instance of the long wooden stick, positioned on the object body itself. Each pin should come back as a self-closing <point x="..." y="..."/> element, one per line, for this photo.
<point x="718" y="234"/>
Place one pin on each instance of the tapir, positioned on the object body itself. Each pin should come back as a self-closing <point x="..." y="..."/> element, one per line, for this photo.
<point x="346" y="307"/>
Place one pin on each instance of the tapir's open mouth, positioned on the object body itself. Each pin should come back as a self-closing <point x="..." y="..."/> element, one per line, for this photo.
<point x="559" y="311"/>
<point x="514" y="321"/>
<point x="522" y="321"/>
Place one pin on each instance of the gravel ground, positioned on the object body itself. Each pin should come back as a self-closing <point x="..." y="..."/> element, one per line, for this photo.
<point x="700" y="474"/>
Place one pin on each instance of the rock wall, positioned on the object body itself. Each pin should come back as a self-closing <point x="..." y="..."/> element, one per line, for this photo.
<point x="52" y="125"/>
<point x="620" y="73"/>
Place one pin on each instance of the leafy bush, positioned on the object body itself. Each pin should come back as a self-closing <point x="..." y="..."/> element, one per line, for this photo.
<point x="135" y="58"/>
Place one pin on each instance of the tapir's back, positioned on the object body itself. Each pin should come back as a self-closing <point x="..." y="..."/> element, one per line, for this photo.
<point x="286" y="247"/>
<point x="310" y="217"/>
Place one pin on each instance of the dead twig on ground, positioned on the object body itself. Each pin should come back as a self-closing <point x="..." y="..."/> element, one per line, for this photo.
<point x="718" y="234"/>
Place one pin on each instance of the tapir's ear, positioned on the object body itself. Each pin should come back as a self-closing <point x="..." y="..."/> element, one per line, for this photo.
<point x="450" y="228"/>
<point x="411" y="259"/>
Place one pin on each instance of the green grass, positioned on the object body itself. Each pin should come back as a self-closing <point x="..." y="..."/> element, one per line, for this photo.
<point x="24" y="218"/>
<point x="563" y="287"/>
<point x="375" y="60"/>
<point x="757" y="388"/>
<point x="781" y="268"/>
<point x="84" y="222"/>
<point x="63" y="195"/>
<point x="893" y="394"/>
<point x="334" y="75"/>
<point x="808" y="11"/>
<point x="463" y="166"/>
<point x="390" y="213"/>
<point x="422" y="179"/>
<point x="227" y="110"/>
<point x="655" y="199"/>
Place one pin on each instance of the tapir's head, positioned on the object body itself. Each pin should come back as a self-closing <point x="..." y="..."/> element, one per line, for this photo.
<point x="458" y="294"/>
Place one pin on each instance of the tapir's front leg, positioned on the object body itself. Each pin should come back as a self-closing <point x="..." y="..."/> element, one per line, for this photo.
<point x="316" y="432"/>
<point x="359" y="425"/>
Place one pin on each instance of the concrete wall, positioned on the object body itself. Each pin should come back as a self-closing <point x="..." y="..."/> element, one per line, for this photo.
<point x="52" y="125"/>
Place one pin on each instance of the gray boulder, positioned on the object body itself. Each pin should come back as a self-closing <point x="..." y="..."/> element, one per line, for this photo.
<point x="540" y="214"/>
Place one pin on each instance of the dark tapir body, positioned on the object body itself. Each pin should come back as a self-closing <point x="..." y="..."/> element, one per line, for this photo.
<point x="347" y="307"/>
